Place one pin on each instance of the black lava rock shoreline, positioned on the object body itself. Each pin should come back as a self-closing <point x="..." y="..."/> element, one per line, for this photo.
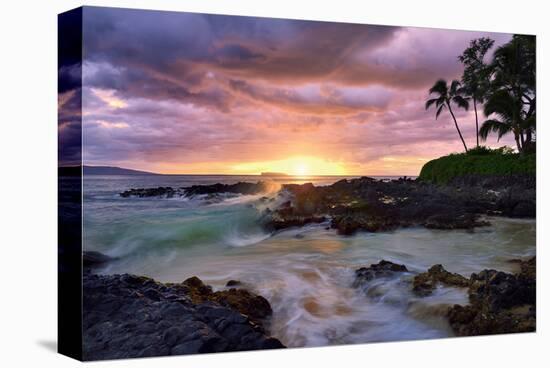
<point x="499" y="302"/>
<point x="169" y="192"/>
<point x="377" y="205"/>
<point x="367" y="204"/>
<point x="128" y="316"/>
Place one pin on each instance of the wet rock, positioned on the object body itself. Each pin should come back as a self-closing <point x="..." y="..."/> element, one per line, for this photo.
<point x="349" y="225"/>
<point x="255" y="307"/>
<point x="424" y="283"/>
<point x="499" y="303"/>
<point x="277" y="221"/>
<point x="366" y="204"/>
<point x="129" y="316"/>
<point x="167" y="192"/>
<point x="452" y="222"/>
<point x="528" y="271"/>
<point x="237" y="188"/>
<point x="218" y="188"/>
<point x="196" y="289"/>
<point x="526" y="209"/>
<point x="381" y="269"/>
<point x="471" y="320"/>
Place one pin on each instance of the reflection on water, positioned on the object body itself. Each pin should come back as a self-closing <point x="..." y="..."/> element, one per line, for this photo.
<point x="307" y="273"/>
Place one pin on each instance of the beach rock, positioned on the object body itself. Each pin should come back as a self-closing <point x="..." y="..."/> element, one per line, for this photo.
<point x="452" y="222"/>
<point x="255" y="307"/>
<point x="366" y="204"/>
<point x="350" y="224"/>
<point x="527" y="209"/>
<point x="381" y="269"/>
<point x="499" y="303"/>
<point x="127" y="316"/>
<point x="424" y="283"/>
<point x="237" y="188"/>
<point x="213" y="189"/>
<point x="473" y="321"/>
<point x="168" y="192"/>
<point x="285" y="217"/>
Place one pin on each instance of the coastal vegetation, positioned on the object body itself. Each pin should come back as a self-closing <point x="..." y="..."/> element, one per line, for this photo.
<point x="483" y="161"/>
<point x="505" y="86"/>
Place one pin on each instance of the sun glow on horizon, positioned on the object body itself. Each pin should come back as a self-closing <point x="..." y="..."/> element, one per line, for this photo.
<point x="296" y="166"/>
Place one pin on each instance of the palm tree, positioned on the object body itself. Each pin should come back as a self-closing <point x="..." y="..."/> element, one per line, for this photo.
<point x="513" y="91"/>
<point x="475" y="78"/>
<point x="446" y="96"/>
<point x="508" y="117"/>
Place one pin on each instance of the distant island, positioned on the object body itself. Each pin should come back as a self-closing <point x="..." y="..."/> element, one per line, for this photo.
<point x="100" y="170"/>
<point x="273" y="174"/>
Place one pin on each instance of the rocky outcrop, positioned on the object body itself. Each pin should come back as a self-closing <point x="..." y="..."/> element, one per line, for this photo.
<point x="424" y="283"/>
<point x="255" y="307"/>
<point x="237" y="188"/>
<point x="350" y="224"/>
<point x="381" y="269"/>
<point x="499" y="303"/>
<point x="286" y="216"/>
<point x="453" y="222"/>
<point x="169" y="192"/>
<point x="373" y="205"/>
<point x="380" y="205"/>
<point x="128" y="316"/>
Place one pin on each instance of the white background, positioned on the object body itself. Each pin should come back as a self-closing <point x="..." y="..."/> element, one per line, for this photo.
<point x="28" y="193"/>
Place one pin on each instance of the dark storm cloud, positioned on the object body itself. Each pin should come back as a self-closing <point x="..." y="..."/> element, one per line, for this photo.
<point x="273" y="49"/>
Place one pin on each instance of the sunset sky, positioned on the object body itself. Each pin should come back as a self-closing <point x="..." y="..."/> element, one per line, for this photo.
<point x="190" y="93"/>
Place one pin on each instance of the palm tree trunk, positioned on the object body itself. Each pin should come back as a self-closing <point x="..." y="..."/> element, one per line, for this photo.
<point x="522" y="139"/>
<point x="516" y="137"/>
<point x="528" y="145"/>
<point x="477" y="122"/>
<point x="457" y="128"/>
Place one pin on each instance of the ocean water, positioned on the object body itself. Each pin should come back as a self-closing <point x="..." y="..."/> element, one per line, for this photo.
<point x="305" y="273"/>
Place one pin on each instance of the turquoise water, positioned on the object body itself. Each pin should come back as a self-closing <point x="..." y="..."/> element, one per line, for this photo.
<point x="306" y="273"/>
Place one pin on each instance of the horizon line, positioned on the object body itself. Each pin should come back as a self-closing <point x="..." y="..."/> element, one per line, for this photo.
<point x="146" y="172"/>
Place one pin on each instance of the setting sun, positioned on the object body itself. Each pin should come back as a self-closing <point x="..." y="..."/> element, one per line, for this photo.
<point x="297" y="166"/>
<point x="300" y="169"/>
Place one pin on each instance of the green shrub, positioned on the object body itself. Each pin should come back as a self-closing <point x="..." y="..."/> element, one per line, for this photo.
<point x="478" y="161"/>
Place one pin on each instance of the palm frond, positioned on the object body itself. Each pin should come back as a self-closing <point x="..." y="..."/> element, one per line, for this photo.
<point x="440" y="87"/>
<point x="430" y="102"/>
<point x="501" y="102"/>
<point x="439" y="111"/>
<point x="494" y="126"/>
<point x="455" y="86"/>
<point x="462" y="102"/>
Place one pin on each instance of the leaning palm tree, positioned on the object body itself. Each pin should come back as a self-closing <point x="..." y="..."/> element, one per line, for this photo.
<point x="508" y="117"/>
<point x="445" y="97"/>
